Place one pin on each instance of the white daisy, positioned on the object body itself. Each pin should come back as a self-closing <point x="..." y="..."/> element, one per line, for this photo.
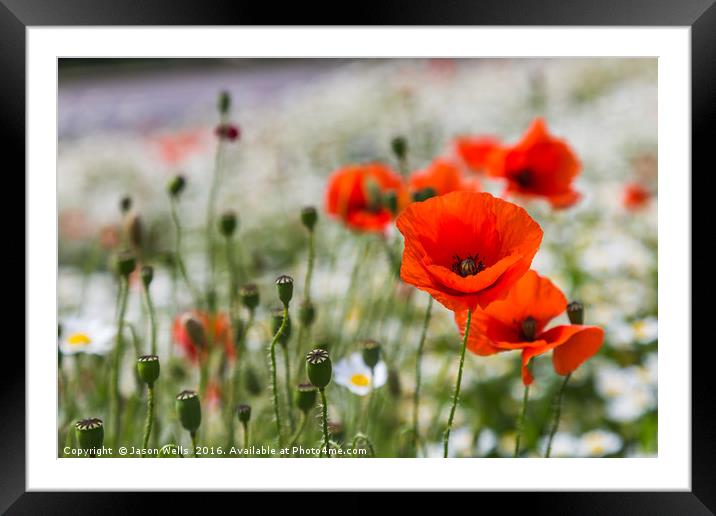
<point x="353" y="374"/>
<point x="598" y="443"/>
<point x="81" y="335"/>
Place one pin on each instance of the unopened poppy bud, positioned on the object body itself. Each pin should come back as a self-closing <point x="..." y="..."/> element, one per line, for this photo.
<point x="307" y="313"/>
<point x="147" y="275"/>
<point x="575" y="312"/>
<point x="89" y="433"/>
<point x="148" y="368"/>
<point x="249" y="295"/>
<point x="394" y="386"/>
<point x="176" y="186"/>
<point x="188" y="410"/>
<point x="424" y="194"/>
<point x="125" y="204"/>
<point x="244" y="413"/>
<point x="400" y="147"/>
<point x="224" y="102"/>
<point x="125" y="262"/>
<point x="370" y="350"/>
<point x="170" y="451"/>
<point x="319" y="368"/>
<point x="529" y="328"/>
<point x="252" y="382"/>
<point x="228" y="223"/>
<point x="229" y="132"/>
<point x="305" y="397"/>
<point x="277" y="321"/>
<point x="195" y="330"/>
<point x="390" y="201"/>
<point x="309" y="217"/>
<point x="134" y="230"/>
<point x="284" y="284"/>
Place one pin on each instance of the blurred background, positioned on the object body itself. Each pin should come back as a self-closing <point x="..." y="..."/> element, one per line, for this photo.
<point x="127" y="126"/>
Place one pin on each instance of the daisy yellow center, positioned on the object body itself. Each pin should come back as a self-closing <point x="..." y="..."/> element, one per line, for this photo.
<point x="360" y="380"/>
<point x="639" y="328"/>
<point x="79" y="339"/>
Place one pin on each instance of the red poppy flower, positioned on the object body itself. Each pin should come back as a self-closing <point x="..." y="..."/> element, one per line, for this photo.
<point x="228" y="132"/>
<point x="635" y="196"/>
<point x="466" y="248"/>
<point x="475" y="151"/>
<point x="354" y="194"/>
<point x="442" y="176"/>
<point x="518" y="322"/>
<point x="217" y="329"/>
<point x="540" y="165"/>
<point x="175" y="148"/>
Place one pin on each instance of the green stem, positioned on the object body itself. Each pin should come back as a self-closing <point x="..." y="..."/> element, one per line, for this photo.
<point x="211" y="213"/>
<point x="557" y="415"/>
<point x="178" y="254"/>
<point x="418" y="373"/>
<point x="309" y="268"/>
<point x="287" y="381"/>
<point x="246" y="435"/>
<point x="114" y="400"/>
<point x="193" y="443"/>
<point x="456" y="396"/>
<point x="294" y="439"/>
<point x="366" y="440"/>
<point x="521" y="421"/>
<point x="152" y="329"/>
<point x="324" y="420"/>
<point x="150" y="418"/>
<point x="274" y="381"/>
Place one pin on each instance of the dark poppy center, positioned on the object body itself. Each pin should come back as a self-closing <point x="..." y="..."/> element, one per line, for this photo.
<point x="524" y="178"/>
<point x="529" y="329"/>
<point x="469" y="266"/>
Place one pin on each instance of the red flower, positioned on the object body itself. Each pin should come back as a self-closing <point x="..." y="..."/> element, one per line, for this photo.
<point x="228" y="132"/>
<point x="175" y="148"/>
<point x="217" y="329"/>
<point x="466" y="248"/>
<point x="442" y="176"/>
<point x="540" y="165"/>
<point x="635" y="196"/>
<point x="354" y="194"/>
<point x="518" y="322"/>
<point x="476" y="151"/>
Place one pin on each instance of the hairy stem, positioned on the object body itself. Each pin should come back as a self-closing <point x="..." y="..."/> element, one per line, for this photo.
<point x="456" y="395"/>
<point x="418" y="374"/>
<point x="557" y="415"/>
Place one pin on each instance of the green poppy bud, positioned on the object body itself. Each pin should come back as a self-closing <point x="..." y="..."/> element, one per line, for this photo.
<point x="224" y="102"/>
<point x="309" y="217"/>
<point x="305" y="397"/>
<point x="252" y="382"/>
<point x="319" y="368"/>
<point x="125" y="204"/>
<point x="195" y="330"/>
<point x="307" y="313"/>
<point x="176" y="186"/>
<point x="124" y="263"/>
<point x="228" y="223"/>
<point x="244" y="413"/>
<point x="133" y="228"/>
<point x="575" y="312"/>
<point x="90" y="433"/>
<point x="399" y="145"/>
<point x="148" y="368"/>
<point x="189" y="410"/>
<point x="249" y="295"/>
<point x="370" y="350"/>
<point x="170" y="451"/>
<point x="147" y="275"/>
<point x="424" y="194"/>
<point x="276" y="321"/>
<point x="284" y="284"/>
<point x="394" y="386"/>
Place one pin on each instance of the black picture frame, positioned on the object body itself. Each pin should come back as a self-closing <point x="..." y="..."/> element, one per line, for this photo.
<point x="700" y="15"/>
